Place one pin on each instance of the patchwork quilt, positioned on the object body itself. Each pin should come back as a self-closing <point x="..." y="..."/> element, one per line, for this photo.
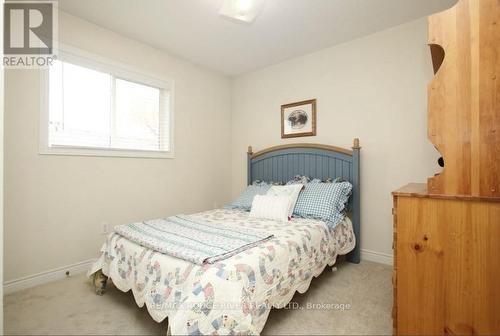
<point x="233" y="296"/>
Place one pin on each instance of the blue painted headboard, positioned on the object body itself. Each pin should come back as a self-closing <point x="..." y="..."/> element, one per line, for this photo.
<point x="282" y="163"/>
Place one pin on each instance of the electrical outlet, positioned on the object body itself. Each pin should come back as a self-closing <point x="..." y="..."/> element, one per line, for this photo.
<point x="105" y="228"/>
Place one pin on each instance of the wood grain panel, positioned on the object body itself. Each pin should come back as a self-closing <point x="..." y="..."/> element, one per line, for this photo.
<point x="395" y="275"/>
<point x="489" y="98"/>
<point x="448" y="266"/>
<point x="485" y="256"/>
<point x="464" y="97"/>
<point x="420" y="265"/>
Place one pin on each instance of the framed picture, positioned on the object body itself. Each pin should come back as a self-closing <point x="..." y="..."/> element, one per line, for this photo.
<point x="298" y="119"/>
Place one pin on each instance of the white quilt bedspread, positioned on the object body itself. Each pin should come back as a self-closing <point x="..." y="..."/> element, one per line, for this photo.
<point x="233" y="296"/>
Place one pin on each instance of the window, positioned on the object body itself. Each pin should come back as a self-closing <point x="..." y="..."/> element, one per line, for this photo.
<point x="98" y="109"/>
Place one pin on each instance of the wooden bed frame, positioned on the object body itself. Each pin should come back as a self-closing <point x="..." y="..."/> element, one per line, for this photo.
<point x="282" y="163"/>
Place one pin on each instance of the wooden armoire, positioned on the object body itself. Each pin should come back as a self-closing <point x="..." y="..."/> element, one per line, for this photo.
<point x="447" y="231"/>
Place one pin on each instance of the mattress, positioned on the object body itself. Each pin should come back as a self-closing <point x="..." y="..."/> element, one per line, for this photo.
<point x="234" y="295"/>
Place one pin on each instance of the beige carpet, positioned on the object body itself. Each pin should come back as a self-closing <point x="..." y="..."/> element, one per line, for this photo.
<point x="70" y="307"/>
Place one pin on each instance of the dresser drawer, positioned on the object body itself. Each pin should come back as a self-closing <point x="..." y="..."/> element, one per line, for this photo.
<point x="437" y="286"/>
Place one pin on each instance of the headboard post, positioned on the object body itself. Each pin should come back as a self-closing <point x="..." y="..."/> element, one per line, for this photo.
<point x="249" y="162"/>
<point x="355" y="255"/>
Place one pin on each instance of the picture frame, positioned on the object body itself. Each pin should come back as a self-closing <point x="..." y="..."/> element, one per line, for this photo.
<point x="298" y="119"/>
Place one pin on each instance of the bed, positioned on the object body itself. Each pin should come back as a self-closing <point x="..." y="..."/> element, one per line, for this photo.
<point x="235" y="295"/>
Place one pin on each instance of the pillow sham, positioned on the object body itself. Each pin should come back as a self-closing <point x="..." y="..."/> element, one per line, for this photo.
<point x="271" y="183"/>
<point x="290" y="191"/>
<point x="328" y="180"/>
<point x="325" y="201"/>
<point x="299" y="179"/>
<point x="302" y="179"/>
<point x="244" y="201"/>
<point x="270" y="207"/>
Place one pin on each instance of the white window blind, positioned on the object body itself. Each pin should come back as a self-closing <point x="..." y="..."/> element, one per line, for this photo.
<point x="97" y="110"/>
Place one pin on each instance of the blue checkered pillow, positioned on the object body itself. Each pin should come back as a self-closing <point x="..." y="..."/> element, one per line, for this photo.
<point x="325" y="201"/>
<point x="244" y="201"/>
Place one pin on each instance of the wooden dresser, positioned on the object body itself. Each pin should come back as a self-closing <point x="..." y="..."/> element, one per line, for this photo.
<point x="446" y="263"/>
<point x="447" y="231"/>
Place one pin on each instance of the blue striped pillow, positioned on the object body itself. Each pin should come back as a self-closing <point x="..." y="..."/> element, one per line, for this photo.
<point x="325" y="201"/>
<point x="244" y="201"/>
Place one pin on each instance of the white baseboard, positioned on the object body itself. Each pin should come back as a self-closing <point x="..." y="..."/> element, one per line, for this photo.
<point x="29" y="281"/>
<point x="379" y="257"/>
<point x="34" y="280"/>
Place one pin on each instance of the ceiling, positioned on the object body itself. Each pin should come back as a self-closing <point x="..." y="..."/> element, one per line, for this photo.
<point x="193" y="29"/>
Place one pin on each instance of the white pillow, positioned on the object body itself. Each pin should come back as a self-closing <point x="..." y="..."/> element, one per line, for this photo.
<point x="270" y="207"/>
<point x="291" y="191"/>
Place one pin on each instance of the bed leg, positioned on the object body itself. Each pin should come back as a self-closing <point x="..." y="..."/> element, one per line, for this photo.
<point x="100" y="281"/>
<point x="169" y="332"/>
<point x="354" y="256"/>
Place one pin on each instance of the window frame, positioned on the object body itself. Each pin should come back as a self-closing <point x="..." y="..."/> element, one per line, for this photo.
<point x="117" y="70"/>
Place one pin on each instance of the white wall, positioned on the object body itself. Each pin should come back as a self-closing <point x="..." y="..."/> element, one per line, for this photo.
<point x="1" y="172"/>
<point x="54" y="205"/>
<point x="373" y="88"/>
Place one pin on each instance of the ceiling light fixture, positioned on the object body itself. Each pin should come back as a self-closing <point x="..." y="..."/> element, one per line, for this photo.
<point x="241" y="10"/>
